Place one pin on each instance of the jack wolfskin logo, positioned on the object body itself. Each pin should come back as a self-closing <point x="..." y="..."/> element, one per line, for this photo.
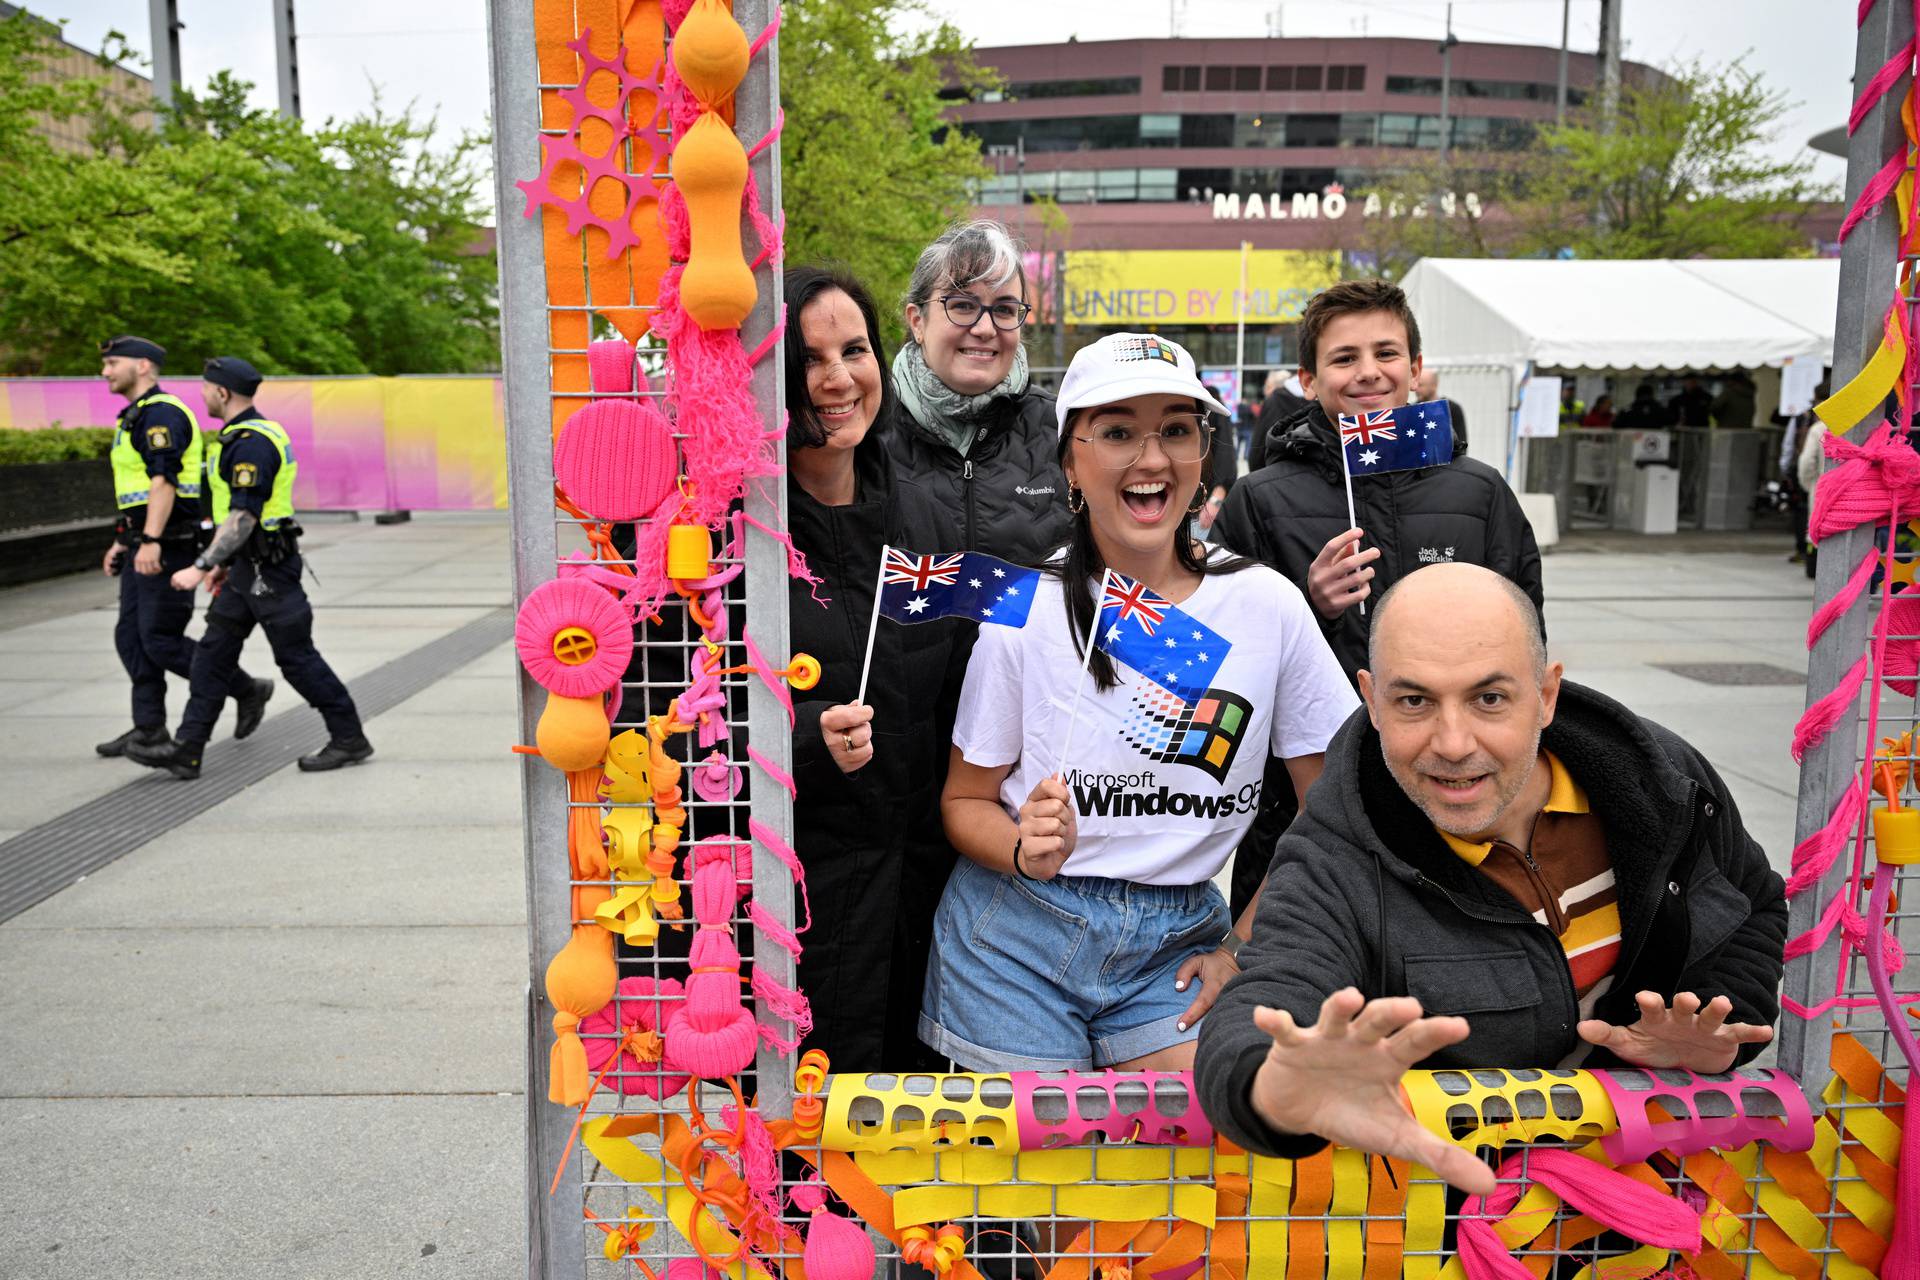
<point x="1436" y="555"/>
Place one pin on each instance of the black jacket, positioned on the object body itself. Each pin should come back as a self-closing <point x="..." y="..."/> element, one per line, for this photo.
<point x="1700" y="910"/>
<point x="871" y="841"/>
<point x="1282" y="406"/>
<point x="1284" y="513"/>
<point x="1008" y="497"/>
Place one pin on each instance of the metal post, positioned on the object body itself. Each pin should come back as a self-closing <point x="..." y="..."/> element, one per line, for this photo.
<point x="1866" y="270"/>
<point x="1560" y="88"/>
<point x="163" y="18"/>
<point x="1609" y="62"/>
<point x="1446" y="84"/>
<point x="286" y="57"/>
<point x="756" y="106"/>
<point x="1240" y="327"/>
<point x="1059" y="308"/>
<point x="554" y="1238"/>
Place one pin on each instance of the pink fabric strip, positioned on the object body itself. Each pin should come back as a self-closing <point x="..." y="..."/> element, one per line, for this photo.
<point x="1883" y="79"/>
<point x="1843" y="599"/>
<point x="1877" y="190"/>
<point x="779" y="777"/>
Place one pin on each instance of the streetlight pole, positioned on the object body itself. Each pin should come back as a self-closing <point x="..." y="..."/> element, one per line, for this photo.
<point x="1446" y="83"/>
<point x="163" y="17"/>
<point x="286" y="59"/>
<point x="1560" y="90"/>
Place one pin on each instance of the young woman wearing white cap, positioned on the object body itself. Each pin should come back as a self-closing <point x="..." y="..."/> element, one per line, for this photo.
<point x="1072" y="933"/>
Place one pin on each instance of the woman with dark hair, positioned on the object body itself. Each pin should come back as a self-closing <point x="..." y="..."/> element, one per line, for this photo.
<point x="976" y="437"/>
<point x="866" y="817"/>
<point x="1073" y="929"/>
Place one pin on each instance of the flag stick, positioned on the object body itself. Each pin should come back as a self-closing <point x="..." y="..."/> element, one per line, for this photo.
<point x="1353" y="521"/>
<point x="1086" y="661"/>
<point x="873" y="625"/>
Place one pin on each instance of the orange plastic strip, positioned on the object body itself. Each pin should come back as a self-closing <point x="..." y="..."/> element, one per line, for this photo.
<point x="1312" y="1193"/>
<point x="1386" y="1228"/>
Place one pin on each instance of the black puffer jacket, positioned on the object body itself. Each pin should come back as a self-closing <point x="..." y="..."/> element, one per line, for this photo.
<point x="1007" y="497"/>
<point x="1700" y="910"/>
<point x="871" y="841"/>
<point x="1284" y="513"/>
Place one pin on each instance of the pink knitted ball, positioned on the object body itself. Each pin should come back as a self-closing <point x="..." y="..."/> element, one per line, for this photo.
<point x="572" y="637"/>
<point x="615" y="459"/>
<point x="639" y="1004"/>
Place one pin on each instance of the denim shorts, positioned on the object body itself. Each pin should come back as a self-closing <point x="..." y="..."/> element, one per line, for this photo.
<point x="1067" y="974"/>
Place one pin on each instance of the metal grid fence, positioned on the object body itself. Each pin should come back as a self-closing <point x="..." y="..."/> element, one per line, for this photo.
<point x="1353" y="1217"/>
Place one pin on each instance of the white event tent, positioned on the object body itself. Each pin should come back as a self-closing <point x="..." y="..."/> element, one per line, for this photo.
<point x="1488" y="322"/>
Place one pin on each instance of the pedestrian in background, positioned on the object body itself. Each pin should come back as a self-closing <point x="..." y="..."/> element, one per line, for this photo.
<point x="156" y="460"/>
<point x="256" y="555"/>
<point x="1734" y="406"/>
<point x="1426" y="388"/>
<point x="976" y="436"/>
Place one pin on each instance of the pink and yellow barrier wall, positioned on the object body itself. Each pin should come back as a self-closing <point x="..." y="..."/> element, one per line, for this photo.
<point x="364" y="443"/>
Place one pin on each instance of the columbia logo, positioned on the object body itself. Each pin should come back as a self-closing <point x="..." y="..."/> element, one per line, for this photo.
<point x="1034" y="492"/>
<point x="1148" y="348"/>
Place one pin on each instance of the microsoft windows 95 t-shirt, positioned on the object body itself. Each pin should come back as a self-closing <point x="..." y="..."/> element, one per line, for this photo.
<point x="1165" y="768"/>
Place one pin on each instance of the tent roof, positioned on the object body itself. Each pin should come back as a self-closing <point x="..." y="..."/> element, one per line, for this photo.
<point x="1652" y="314"/>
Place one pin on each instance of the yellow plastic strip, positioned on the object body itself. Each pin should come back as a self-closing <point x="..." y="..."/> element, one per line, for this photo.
<point x="1346" y="1234"/>
<point x="896" y="1168"/>
<point x="1865" y="390"/>
<point x="1426" y="1224"/>
<point x="630" y="1164"/>
<point x="918" y="1206"/>
<point x="1272" y="1188"/>
<point x="1866" y="1123"/>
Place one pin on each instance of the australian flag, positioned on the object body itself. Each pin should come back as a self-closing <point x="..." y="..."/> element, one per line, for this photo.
<point x="962" y="584"/>
<point x="1412" y="436"/>
<point x="1157" y="638"/>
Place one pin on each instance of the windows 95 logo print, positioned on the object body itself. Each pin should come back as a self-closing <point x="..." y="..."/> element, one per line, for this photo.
<point x="1205" y="733"/>
<point x="1145" y="348"/>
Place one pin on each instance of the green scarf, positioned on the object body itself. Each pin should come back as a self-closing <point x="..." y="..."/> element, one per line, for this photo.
<point x="949" y="417"/>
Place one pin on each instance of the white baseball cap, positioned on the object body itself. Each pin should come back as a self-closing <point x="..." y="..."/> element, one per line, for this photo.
<point x="1123" y="365"/>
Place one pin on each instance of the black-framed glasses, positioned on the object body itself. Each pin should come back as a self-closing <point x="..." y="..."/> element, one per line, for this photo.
<point x="964" y="310"/>
<point x="1117" y="445"/>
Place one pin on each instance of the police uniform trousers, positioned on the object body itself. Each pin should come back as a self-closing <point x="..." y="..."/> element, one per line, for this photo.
<point x="281" y="608"/>
<point x="151" y="635"/>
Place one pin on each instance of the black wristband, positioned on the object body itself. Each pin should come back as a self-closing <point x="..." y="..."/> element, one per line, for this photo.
<point x="1018" y="869"/>
<point x="148" y="540"/>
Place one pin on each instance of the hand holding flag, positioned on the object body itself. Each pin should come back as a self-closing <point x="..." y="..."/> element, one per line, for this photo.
<point x="915" y="588"/>
<point x="1371" y="443"/>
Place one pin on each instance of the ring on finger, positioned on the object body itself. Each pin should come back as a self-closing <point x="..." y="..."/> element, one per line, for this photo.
<point x="846" y="741"/>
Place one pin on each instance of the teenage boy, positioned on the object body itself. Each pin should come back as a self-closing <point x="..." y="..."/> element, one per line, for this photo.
<point x="1360" y="352"/>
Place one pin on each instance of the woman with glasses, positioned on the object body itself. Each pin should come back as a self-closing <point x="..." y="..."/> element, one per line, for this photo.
<point x="976" y="437"/>
<point x="1081" y="929"/>
<point x="866" y="818"/>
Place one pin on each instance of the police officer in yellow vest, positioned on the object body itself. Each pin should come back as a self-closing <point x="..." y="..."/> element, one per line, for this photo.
<point x="156" y="484"/>
<point x="254" y="562"/>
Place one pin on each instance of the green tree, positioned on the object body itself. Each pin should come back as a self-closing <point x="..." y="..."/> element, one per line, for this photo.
<point x="870" y="170"/>
<point x="1680" y="171"/>
<point x="344" y="249"/>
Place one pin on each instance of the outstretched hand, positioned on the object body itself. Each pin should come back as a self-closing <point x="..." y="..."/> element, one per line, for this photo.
<point x="1683" y="1035"/>
<point x="1340" y="1079"/>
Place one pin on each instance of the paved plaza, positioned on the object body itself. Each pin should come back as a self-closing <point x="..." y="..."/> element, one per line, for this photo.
<point x="284" y="1039"/>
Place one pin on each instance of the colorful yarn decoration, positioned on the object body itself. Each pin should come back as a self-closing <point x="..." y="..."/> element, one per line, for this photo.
<point x="1603" y="1194"/>
<point x="572" y="638"/>
<point x="631" y="1023"/>
<point x="580" y="980"/>
<point x="716" y="779"/>
<point x="572" y="732"/>
<point x="615" y="459"/>
<point x="640" y="184"/>
<point x="836" y="1248"/>
<point x="711" y="1034"/>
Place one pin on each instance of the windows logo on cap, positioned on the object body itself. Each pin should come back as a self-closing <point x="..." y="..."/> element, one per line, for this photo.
<point x="1123" y="365"/>
<point x="1146" y="347"/>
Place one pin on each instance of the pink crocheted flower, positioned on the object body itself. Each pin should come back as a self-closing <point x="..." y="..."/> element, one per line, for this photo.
<point x="641" y="1006"/>
<point x="573" y="638"/>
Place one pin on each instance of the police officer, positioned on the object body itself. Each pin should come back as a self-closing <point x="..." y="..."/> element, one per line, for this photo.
<point x="254" y="560"/>
<point x="156" y="483"/>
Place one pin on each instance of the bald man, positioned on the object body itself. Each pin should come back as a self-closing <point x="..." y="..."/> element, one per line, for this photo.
<point x="1498" y="868"/>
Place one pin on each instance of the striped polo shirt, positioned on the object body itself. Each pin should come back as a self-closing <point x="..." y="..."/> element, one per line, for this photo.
<point x="1565" y="878"/>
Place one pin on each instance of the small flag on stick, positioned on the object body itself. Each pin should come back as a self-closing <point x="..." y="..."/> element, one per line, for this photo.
<point x="913" y="588"/>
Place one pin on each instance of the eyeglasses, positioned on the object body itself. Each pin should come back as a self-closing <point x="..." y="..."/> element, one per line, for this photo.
<point x="964" y="310"/>
<point x="1183" y="437"/>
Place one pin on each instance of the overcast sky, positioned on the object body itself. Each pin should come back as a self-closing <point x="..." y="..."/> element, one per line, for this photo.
<point x="1803" y="47"/>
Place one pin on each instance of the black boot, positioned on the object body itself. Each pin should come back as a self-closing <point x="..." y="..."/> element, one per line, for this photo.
<point x="145" y="737"/>
<point x="338" y="753"/>
<point x="249" y="711"/>
<point x="181" y="759"/>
